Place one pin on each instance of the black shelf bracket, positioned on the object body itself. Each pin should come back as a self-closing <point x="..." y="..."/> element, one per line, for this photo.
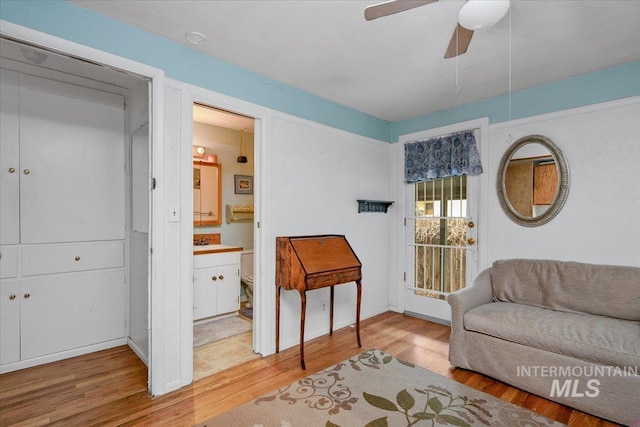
<point x="373" y="206"/>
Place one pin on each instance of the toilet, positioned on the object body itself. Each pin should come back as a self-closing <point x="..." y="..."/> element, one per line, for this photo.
<point x="246" y="275"/>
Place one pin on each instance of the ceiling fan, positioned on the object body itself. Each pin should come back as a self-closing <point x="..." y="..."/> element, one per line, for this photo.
<point x="473" y="15"/>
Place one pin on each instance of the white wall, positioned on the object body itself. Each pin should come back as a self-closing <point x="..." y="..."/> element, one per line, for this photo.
<point x="316" y="175"/>
<point x="225" y="143"/>
<point x="307" y="180"/>
<point x="598" y="223"/>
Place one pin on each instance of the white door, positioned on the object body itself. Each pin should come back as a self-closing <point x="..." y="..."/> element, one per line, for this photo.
<point x="228" y="297"/>
<point x="9" y="157"/>
<point x="72" y="177"/>
<point x="440" y="243"/>
<point x="9" y="321"/>
<point x="140" y="239"/>
<point x="64" y="311"/>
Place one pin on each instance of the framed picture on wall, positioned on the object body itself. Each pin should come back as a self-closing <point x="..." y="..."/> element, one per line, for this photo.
<point x="243" y="184"/>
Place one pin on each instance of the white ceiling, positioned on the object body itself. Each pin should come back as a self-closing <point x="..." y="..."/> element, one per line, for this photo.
<point x="393" y="67"/>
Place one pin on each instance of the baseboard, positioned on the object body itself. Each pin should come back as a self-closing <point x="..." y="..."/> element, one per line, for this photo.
<point x="429" y="318"/>
<point x="138" y="351"/>
<point x="22" y="364"/>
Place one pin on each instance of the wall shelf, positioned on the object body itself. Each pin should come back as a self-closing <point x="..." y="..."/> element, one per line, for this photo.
<point x="373" y="206"/>
<point x="239" y="213"/>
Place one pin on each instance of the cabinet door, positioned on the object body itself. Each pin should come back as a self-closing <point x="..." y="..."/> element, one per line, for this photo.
<point x="9" y="157"/>
<point x="71" y="162"/>
<point x="205" y="282"/>
<point x="9" y="322"/>
<point x="228" y="289"/>
<point x="67" y="311"/>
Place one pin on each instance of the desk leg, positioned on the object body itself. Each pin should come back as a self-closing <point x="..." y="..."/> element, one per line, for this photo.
<point x="331" y="314"/>
<point x="359" y="300"/>
<point x="303" y="311"/>
<point x="277" y="319"/>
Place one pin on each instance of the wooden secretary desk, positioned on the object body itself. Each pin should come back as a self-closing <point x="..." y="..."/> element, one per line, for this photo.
<point x="305" y="263"/>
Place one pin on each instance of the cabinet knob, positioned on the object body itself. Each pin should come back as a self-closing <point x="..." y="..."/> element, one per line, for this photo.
<point x="210" y="213"/>
<point x="77" y="258"/>
<point x="27" y="295"/>
<point x="26" y="171"/>
<point x="214" y="278"/>
<point x="12" y="297"/>
<point x="221" y="277"/>
<point x="12" y="170"/>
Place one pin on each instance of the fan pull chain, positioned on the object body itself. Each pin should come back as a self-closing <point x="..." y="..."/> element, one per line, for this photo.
<point x="457" y="87"/>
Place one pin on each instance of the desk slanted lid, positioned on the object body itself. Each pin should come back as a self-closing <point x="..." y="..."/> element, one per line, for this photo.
<point x="324" y="253"/>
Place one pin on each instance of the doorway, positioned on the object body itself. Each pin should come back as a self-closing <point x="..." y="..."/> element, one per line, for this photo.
<point x="440" y="244"/>
<point x="78" y="80"/>
<point x="443" y="233"/>
<point x="223" y="308"/>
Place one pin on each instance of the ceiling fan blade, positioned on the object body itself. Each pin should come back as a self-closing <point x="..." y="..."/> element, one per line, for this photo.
<point x="463" y="38"/>
<point x="393" y="6"/>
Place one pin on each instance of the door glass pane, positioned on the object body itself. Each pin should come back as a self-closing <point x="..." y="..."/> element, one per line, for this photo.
<point x="440" y="236"/>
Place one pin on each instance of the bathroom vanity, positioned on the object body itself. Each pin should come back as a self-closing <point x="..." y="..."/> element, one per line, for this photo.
<point x="216" y="280"/>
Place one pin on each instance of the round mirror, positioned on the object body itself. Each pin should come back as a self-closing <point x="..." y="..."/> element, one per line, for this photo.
<point x="533" y="181"/>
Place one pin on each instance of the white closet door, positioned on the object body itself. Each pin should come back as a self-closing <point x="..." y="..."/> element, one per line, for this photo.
<point x="9" y="157"/>
<point x="9" y="321"/>
<point x="72" y="162"/>
<point x="64" y="311"/>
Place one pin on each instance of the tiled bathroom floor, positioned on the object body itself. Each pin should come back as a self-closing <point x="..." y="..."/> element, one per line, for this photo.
<point x="220" y="355"/>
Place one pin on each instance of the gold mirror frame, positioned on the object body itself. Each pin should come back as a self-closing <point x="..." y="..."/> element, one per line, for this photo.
<point x="563" y="182"/>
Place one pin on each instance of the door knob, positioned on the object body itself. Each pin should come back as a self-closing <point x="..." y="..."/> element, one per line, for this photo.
<point x="471" y="241"/>
<point x="471" y="224"/>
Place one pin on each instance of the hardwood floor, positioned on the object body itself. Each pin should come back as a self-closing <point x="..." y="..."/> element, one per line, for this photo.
<point x="110" y="387"/>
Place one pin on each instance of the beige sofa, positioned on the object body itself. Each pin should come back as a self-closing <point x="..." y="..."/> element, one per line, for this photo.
<point x="566" y="331"/>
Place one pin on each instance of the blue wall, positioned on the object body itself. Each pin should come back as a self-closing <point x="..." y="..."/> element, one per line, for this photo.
<point x="599" y="86"/>
<point x="65" y="20"/>
<point x="82" y="26"/>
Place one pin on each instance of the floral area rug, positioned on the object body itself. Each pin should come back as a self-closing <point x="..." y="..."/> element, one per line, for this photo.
<point x="376" y="389"/>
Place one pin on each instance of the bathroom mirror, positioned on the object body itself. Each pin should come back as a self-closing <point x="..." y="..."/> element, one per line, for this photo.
<point x="207" y="193"/>
<point x="533" y="181"/>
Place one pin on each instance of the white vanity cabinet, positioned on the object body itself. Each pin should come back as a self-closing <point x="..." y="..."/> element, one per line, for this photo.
<point x="216" y="283"/>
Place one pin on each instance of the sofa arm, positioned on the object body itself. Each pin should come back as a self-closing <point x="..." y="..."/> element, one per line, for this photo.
<point x="478" y="293"/>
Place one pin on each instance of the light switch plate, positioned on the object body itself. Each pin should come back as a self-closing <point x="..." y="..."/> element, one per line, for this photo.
<point x="174" y="213"/>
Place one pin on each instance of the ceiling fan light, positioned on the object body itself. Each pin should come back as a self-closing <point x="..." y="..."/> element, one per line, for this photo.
<point x="478" y="14"/>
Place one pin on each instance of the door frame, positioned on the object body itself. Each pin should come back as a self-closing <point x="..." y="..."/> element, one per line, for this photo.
<point x="156" y="109"/>
<point x="482" y="124"/>
<point x="264" y="299"/>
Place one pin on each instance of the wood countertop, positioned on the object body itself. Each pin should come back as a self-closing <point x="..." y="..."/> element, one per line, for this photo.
<point x="214" y="249"/>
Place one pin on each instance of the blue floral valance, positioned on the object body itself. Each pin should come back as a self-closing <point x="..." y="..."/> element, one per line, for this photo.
<point x="450" y="155"/>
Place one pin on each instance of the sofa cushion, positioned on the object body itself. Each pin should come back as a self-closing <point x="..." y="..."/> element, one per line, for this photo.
<point x="604" y="290"/>
<point x="597" y="339"/>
